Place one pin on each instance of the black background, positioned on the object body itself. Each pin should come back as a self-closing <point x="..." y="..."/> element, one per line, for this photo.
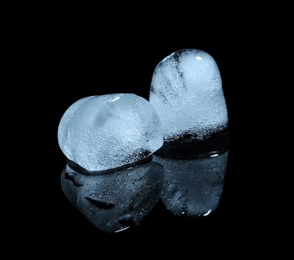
<point x="83" y="72"/>
<point x="71" y="62"/>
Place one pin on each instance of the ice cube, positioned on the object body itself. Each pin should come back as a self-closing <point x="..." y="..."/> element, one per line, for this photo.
<point x="108" y="131"/>
<point x="186" y="91"/>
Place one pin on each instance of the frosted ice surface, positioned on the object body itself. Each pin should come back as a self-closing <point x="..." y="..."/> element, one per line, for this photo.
<point x="186" y="90"/>
<point x="107" y="131"/>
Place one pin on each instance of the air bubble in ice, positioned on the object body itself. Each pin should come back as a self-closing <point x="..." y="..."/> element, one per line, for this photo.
<point x="108" y="131"/>
<point x="186" y="90"/>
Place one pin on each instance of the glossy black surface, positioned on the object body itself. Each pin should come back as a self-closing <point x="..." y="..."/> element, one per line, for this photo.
<point x="82" y="68"/>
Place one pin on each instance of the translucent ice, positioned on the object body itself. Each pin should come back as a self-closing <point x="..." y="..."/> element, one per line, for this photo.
<point x="186" y="90"/>
<point x="109" y="131"/>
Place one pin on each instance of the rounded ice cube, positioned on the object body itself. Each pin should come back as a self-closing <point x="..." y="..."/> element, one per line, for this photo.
<point x="108" y="131"/>
<point x="186" y="91"/>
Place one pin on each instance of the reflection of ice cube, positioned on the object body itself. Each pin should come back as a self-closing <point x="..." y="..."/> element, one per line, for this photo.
<point x="193" y="187"/>
<point x="186" y="90"/>
<point x="108" y="131"/>
<point x="117" y="200"/>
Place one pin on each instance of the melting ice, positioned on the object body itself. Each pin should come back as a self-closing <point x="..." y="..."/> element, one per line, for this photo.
<point x="186" y="90"/>
<point x="108" y="131"/>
